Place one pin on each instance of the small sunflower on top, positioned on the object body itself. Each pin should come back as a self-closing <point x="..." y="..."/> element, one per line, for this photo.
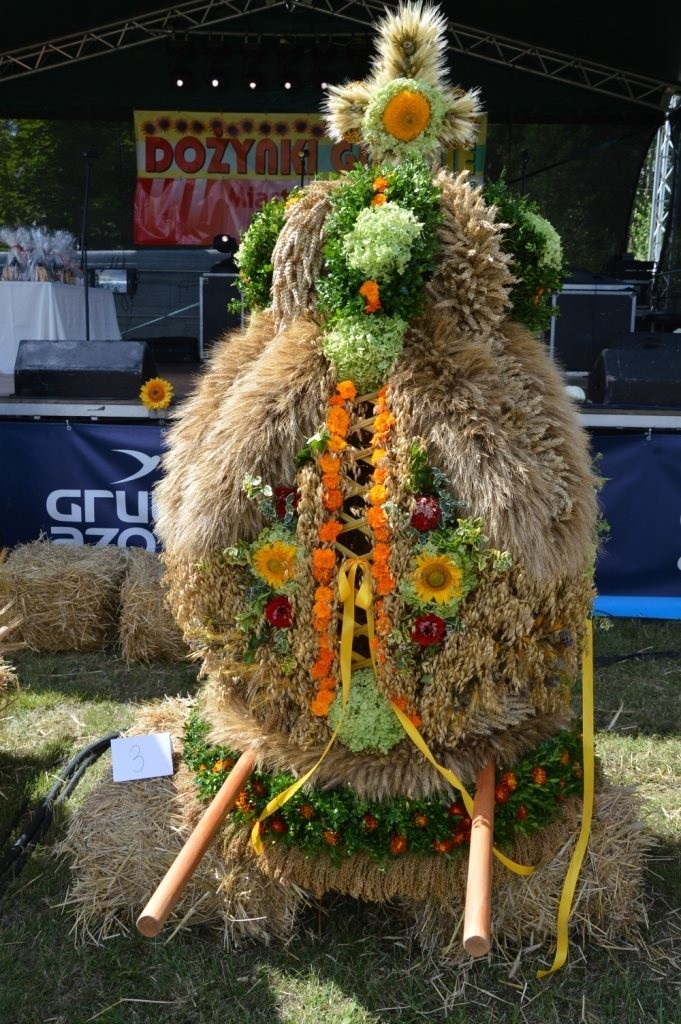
<point x="406" y="107"/>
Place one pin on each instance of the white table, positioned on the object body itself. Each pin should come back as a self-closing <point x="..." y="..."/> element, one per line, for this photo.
<point x="47" y="311"/>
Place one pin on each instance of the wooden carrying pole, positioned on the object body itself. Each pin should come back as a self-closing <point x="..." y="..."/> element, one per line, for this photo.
<point x="478" y="911"/>
<point x="174" y="882"/>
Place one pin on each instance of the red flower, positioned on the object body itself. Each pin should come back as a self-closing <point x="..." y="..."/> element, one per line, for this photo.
<point x="427" y="514"/>
<point x="509" y="779"/>
<point x="281" y="493"/>
<point x="278" y="825"/>
<point x="279" y="613"/>
<point x="457" y="809"/>
<point x="369" y="822"/>
<point x="502" y="793"/>
<point x="443" y="845"/>
<point x="521" y="813"/>
<point x="428" y="629"/>
<point x="306" y="811"/>
<point x="420" y="820"/>
<point x="538" y="775"/>
<point x="330" y="837"/>
<point x="398" y="844"/>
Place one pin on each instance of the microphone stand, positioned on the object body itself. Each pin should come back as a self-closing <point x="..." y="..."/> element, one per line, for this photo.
<point x="90" y="155"/>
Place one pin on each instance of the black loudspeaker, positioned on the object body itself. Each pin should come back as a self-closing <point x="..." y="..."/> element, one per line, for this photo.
<point x="587" y="319"/>
<point x="215" y="293"/>
<point x="82" y="369"/>
<point x="648" y="377"/>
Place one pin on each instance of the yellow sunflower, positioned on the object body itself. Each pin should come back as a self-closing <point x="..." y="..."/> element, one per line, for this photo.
<point x="275" y="563"/>
<point x="156" y="393"/>
<point x="437" y="579"/>
<point x="406" y="115"/>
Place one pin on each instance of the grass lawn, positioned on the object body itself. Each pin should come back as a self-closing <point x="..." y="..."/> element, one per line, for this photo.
<point x="348" y="963"/>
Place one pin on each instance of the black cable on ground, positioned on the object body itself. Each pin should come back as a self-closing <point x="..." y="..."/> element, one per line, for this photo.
<point x="612" y="659"/>
<point x="14" y="860"/>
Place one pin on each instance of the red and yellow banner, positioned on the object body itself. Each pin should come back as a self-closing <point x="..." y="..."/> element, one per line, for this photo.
<point x="204" y="174"/>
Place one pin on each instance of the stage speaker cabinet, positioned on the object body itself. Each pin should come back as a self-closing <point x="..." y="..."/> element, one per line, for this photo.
<point x="649" y="377"/>
<point x="82" y="369"/>
<point x="215" y="293"/>
<point x="587" y="318"/>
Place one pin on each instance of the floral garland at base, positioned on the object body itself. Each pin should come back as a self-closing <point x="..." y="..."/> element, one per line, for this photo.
<point x="340" y="823"/>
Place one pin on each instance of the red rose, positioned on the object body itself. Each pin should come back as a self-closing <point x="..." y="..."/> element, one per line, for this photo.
<point x="428" y="629"/>
<point x="427" y="514"/>
<point x="279" y="613"/>
<point x="281" y="493"/>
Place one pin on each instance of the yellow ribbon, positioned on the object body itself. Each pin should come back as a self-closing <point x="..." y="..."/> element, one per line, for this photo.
<point x="570" y="882"/>
<point x="418" y="740"/>
<point x="346" y="592"/>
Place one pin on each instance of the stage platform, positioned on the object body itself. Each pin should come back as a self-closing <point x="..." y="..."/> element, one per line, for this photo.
<point x="181" y="375"/>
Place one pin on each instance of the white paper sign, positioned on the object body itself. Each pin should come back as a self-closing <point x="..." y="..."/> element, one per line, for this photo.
<point x="141" y="757"/>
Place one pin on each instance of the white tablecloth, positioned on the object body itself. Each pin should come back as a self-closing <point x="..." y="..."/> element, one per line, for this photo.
<point x="46" y="311"/>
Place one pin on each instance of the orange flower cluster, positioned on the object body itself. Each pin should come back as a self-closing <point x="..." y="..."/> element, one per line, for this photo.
<point x="324" y="558"/>
<point x="379" y="199"/>
<point x="380" y="184"/>
<point x="401" y="703"/>
<point x="369" y="291"/>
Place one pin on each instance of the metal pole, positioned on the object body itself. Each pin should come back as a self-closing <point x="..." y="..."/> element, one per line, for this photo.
<point x="89" y="154"/>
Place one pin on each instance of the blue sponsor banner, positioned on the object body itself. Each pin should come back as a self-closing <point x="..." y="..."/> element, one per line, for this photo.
<point x="92" y="483"/>
<point x="638" y="572"/>
<point x="79" y="483"/>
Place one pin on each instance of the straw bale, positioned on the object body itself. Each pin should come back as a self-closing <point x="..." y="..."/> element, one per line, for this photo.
<point x="147" y="630"/>
<point x="66" y="595"/>
<point x="125" y="836"/>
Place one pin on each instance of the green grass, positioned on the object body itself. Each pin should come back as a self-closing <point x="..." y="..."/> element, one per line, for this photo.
<point x="348" y="962"/>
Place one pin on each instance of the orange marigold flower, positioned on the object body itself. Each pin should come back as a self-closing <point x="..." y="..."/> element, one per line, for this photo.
<point x="278" y="825"/>
<point x="332" y="499"/>
<point x="306" y="811"/>
<point x="521" y="813"/>
<point x="323" y="594"/>
<point x="443" y="845"/>
<point x="327" y="684"/>
<point x="420" y="820"/>
<point x="223" y="765"/>
<point x="509" y="779"/>
<point x="369" y="822"/>
<point x="329" y="463"/>
<point x="336" y="443"/>
<point x="338" y="421"/>
<point x="398" y="844"/>
<point x="380" y="184"/>
<point x="331" y="481"/>
<point x="378" y="454"/>
<point x="330" y="837"/>
<point x="243" y="803"/>
<point x="416" y="720"/>
<point x="347" y="390"/>
<point x="380" y="475"/>
<point x="564" y="756"/>
<point x="400" y="702"/>
<point x="379" y="199"/>
<point x="323" y="564"/>
<point x="321" y="704"/>
<point x="329" y="530"/>
<point x="539" y="775"/>
<point x="376" y="517"/>
<point x="369" y="291"/>
<point x="377" y="495"/>
<point x="336" y="400"/>
<point x="383" y="422"/>
<point x="502" y="793"/>
<point x="381" y="552"/>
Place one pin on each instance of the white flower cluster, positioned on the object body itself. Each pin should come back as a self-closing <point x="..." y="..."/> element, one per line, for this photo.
<point x="363" y="348"/>
<point x="380" y="241"/>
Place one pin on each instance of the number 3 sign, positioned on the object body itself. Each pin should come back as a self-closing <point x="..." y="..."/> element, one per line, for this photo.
<point x="141" y="757"/>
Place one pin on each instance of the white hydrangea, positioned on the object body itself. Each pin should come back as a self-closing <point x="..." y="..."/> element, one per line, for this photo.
<point x="380" y="241"/>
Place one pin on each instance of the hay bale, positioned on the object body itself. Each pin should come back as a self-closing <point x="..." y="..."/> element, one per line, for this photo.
<point x="147" y="630"/>
<point x="117" y="863"/>
<point x="65" y="595"/>
<point x="8" y="675"/>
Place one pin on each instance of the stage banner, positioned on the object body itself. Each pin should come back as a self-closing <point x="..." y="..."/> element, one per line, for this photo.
<point x="79" y="483"/>
<point x="638" y="571"/>
<point x="203" y="174"/>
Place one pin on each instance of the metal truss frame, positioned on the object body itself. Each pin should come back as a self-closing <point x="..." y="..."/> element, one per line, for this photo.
<point x="195" y="15"/>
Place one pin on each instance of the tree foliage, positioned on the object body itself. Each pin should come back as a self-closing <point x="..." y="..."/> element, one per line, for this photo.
<point x="43" y="171"/>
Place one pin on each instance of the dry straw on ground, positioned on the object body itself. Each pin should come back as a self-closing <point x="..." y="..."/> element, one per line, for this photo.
<point x="124" y="837"/>
<point x="147" y="630"/>
<point x="8" y="676"/>
<point x="65" y="595"/>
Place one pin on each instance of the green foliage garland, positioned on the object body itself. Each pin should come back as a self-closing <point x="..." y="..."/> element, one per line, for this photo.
<point x="254" y="256"/>
<point x="538" y="261"/>
<point x="340" y="823"/>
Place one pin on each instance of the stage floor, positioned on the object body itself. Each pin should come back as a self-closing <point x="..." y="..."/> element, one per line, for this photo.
<point x="182" y="376"/>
